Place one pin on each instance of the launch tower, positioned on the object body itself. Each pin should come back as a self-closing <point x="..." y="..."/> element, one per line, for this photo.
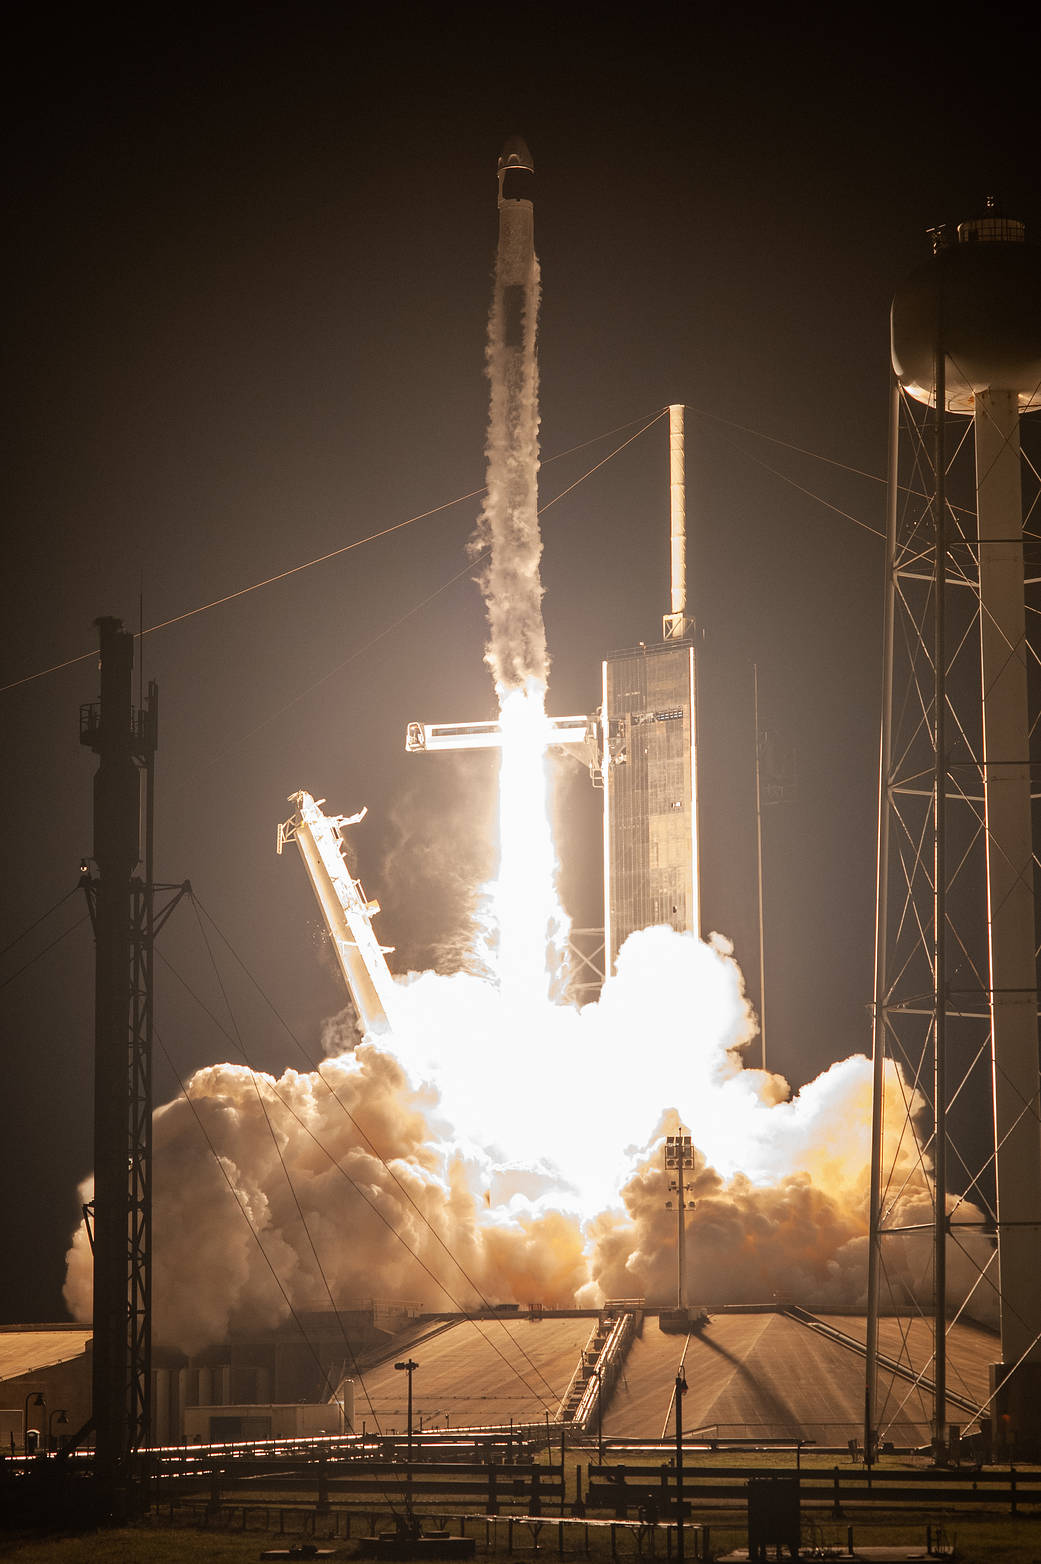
<point x="648" y="768"/>
<point x="641" y="745"/>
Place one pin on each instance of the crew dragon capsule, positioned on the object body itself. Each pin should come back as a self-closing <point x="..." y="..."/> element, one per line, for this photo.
<point x="517" y="272"/>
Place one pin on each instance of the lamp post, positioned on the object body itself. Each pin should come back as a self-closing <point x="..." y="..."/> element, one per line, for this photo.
<point x="409" y="1367"/>
<point x="38" y="1402"/>
<point x="681" y="1390"/>
<point x="62" y="1416"/>
<point x="679" y="1158"/>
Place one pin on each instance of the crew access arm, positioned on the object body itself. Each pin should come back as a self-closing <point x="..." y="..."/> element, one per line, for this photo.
<point x="348" y="915"/>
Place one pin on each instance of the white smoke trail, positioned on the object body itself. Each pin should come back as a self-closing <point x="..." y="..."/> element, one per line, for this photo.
<point x="529" y="926"/>
<point x="509" y="524"/>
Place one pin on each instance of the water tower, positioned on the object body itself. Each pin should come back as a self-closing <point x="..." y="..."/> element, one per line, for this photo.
<point x="956" y="1198"/>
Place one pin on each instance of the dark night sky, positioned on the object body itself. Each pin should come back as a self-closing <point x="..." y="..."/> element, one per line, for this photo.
<point x="248" y="269"/>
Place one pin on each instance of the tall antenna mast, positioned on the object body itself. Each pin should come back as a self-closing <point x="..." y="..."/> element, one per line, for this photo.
<point x="676" y="625"/>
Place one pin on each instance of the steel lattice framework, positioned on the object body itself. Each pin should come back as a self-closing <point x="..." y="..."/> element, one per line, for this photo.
<point x="126" y="922"/>
<point x="934" y="1241"/>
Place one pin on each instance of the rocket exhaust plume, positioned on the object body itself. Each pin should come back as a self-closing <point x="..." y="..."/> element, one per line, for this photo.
<point x="528" y="922"/>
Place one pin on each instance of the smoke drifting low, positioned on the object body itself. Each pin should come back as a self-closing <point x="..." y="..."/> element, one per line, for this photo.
<point x="531" y="1171"/>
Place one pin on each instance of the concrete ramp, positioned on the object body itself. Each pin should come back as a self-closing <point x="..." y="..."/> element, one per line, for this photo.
<point x="908" y="1340"/>
<point x="480" y="1373"/>
<point x="639" y="1405"/>
<point x="764" y="1375"/>
<point x="751" y="1374"/>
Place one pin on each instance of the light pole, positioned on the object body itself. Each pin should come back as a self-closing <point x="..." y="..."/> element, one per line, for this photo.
<point x="679" y="1158"/>
<point x="38" y="1402"/>
<point x="409" y="1367"/>
<point x="681" y="1391"/>
<point x="62" y="1416"/>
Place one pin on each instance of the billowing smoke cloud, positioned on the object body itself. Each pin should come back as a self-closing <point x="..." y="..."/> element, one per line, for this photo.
<point x="794" y="1228"/>
<point x="267" y="1193"/>
<point x="531" y="1171"/>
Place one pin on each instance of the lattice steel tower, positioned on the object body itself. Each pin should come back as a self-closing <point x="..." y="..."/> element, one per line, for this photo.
<point x="956" y="1142"/>
<point x="126" y="921"/>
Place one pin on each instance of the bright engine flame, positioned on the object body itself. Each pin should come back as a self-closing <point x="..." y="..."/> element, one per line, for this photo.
<point x="530" y="923"/>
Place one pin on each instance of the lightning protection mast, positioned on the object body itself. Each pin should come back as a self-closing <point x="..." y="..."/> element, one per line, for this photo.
<point x="126" y="921"/>
<point x="956" y="1142"/>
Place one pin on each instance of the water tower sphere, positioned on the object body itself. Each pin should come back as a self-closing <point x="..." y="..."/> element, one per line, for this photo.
<point x="986" y="289"/>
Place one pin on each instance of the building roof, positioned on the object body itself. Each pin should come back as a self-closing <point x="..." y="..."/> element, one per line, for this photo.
<point x="25" y="1349"/>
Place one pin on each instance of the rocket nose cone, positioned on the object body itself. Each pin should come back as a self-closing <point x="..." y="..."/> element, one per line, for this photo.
<point x="515" y="154"/>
